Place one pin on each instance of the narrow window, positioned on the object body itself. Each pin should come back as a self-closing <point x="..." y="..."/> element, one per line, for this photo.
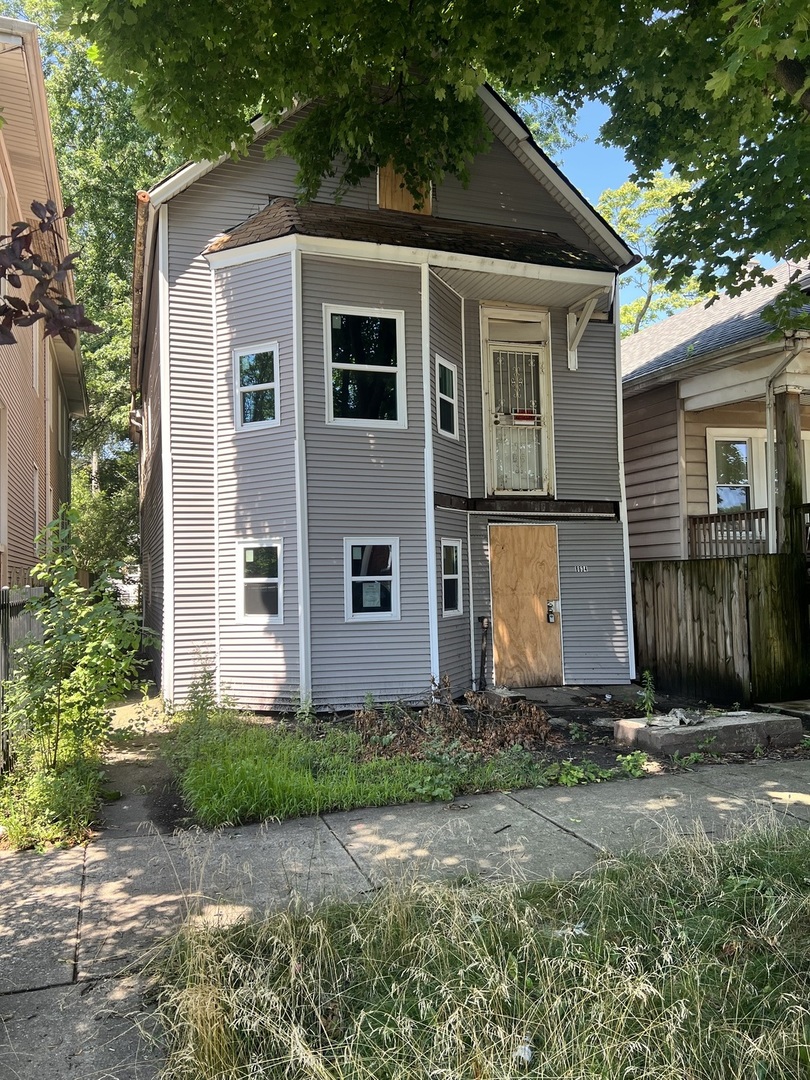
<point x="36" y="354"/>
<point x="260" y="592"/>
<point x="365" y="367"/>
<point x="36" y="505"/>
<point x="256" y="382"/>
<point x="733" y="465"/>
<point x="371" y="578"/>
<point x="447" y="397"/>
<point x="451" y="577"/>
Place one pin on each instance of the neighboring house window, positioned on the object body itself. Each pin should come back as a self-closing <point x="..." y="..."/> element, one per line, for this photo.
<point x="371" y="578"/>
<point x="732" y="458"/>
<point x="451" y="577"/>
<point x="365" y="360"/>
<point x="256" y="383"/>
<point x="736" y="469"/>
<point x="36" y="504"/>
<point x="447" y="397"/>
<point x="36" y="354"/>
<point x="260" y="585"/>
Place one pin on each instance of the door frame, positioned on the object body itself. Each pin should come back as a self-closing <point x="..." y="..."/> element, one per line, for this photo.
<point x="531" y="524"/>
<point x="503" y="312"/>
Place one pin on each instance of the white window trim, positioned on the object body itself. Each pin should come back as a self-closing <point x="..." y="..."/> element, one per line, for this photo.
<point x="458" y="576"/>
<point x="440" y="397"/>
<point x="385" y="616"/>
<point x="241" y="615"/>
<point x="386" y="313"/>
<point x="238" y="389"/>
<point x="756" y="437"/>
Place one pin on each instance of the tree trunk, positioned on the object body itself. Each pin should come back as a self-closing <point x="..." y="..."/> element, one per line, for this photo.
<point x="788" y="473"/>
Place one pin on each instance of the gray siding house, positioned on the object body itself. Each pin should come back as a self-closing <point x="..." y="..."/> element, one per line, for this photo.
<point x="370" y="433"/>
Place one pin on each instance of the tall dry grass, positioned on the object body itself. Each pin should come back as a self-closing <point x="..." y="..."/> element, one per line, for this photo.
<point x="693" y="965"/>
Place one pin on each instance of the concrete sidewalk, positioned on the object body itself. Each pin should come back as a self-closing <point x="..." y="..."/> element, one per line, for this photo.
<point x="75" y="926"/>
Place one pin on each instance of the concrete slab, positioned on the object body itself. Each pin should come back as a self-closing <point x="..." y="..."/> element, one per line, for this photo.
<point x="642" y="814"/>
<point x="782" y="786"/>
<point x="137" y="890"/>
<point x="481" y="835"/>
<point x="39" y="913"/>
<point x="791" y="708"/>
<point x="731" y="733"/>
<point x="82" y="1032"/>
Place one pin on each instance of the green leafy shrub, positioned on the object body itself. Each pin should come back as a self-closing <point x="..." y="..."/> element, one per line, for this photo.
<point x="56" y="706"/>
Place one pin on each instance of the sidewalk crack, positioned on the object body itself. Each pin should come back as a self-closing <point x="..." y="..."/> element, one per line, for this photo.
<point x="79" y="919"/>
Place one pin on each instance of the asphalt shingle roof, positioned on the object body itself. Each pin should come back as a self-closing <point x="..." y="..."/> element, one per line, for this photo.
<point x="704" y="329"/>
<point x="284" y="217"/>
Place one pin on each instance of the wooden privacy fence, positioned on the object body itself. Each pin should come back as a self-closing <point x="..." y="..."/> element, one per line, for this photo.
<point x="724" y="630"/>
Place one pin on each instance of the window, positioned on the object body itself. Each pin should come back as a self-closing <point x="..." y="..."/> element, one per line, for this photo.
<point x="447" y="397"/>
<point x="733" y="471"/>
<point x="365" y="350"/>
<point x="451" y="577"/>
<point x="36" y="354"/>
<point x="371" y="578"/>
<point x="35" y="493"/>
<point x="259" y="574"/>
<point x="256" y="383"/>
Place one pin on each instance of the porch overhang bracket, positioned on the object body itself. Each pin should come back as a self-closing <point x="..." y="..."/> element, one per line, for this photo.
<point x="577" y="321"/>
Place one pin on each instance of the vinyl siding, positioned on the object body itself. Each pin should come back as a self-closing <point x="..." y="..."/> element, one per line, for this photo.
<point x="475" y="403"/>
<point x="586" y="448"/>
<point x="503" y="192"/>
<point x="454" y="630"/>
<point x="364" y="483"/>
<point x="481" y="596"/>
<point x="652" y="474"/>
<point x="229" y="194"/>
<point x="258" y="663"/>
<point x="449" y="455"/>
<point x="594" y="602"/>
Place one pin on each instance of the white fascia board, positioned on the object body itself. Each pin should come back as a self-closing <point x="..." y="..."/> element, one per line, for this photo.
<point x="391" y="253"/>
<point x="634" y="384"/>
<point x="571" y="199"/>
<point x="731" y="376"/>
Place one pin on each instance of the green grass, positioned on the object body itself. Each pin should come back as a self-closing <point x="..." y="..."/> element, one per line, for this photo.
<point x="694" y="965"/>
<point x="41" y="808"/>
<point x="233" y="771"/>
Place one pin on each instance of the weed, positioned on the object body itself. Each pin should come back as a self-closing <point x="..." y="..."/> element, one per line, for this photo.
<point x="571" y="773"/>
<point x="689" y="964"/>
<point x="633" y="764"/>
<point x="686" y="761"/>
<point x="578" y="733"/>
<point x="646" y="695"/>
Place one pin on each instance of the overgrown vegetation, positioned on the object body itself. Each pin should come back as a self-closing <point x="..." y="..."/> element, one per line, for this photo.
<point x="694" y="964"/>
<point x="234" y="770"/>
<point x="56" y="705"/>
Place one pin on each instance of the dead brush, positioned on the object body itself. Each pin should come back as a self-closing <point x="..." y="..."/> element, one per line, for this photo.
<point x="483" y="723"/>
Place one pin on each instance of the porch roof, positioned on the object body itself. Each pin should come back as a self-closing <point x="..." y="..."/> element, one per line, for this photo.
<point x="705" y="335"/>
<point x="284" y="217"/>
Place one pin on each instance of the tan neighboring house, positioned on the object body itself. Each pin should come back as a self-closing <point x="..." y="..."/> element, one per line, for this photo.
<point x="41" y="383"/>
<point x="716" y="408"/>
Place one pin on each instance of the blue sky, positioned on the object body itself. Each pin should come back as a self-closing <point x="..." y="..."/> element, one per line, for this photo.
<point x="590" y="167"/>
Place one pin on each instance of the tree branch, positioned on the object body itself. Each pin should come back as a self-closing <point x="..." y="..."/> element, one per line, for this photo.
<point x="792" y="76"/>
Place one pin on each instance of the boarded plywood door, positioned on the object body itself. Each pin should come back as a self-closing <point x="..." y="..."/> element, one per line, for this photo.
<point x="526" y="647"/>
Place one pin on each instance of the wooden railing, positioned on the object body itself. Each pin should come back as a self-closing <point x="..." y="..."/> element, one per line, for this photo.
<point x="718" y="536"/>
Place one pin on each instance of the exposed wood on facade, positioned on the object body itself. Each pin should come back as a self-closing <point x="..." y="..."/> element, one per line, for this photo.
<point x="392" y="194"/>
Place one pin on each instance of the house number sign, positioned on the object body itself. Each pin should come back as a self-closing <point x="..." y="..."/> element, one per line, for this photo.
<point x="581" y="569"/>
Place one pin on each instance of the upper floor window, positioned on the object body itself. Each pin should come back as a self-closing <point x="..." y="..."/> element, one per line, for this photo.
<point x="256" y="384"/>
<point x="365" y="356"/>
<point x="447" y="397"/>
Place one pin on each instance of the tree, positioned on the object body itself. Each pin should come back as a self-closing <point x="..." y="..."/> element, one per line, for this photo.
<point x="637" y="213"/>
<point x="718" y="89"/>
<point x="105" y="155"/>
<point x="48" y="301"/>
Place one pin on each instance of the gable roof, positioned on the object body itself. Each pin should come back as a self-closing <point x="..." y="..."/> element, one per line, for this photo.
<point x="507" y="126"/>
<point x="285" y="217"/>
<point x="704" y="332"/>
